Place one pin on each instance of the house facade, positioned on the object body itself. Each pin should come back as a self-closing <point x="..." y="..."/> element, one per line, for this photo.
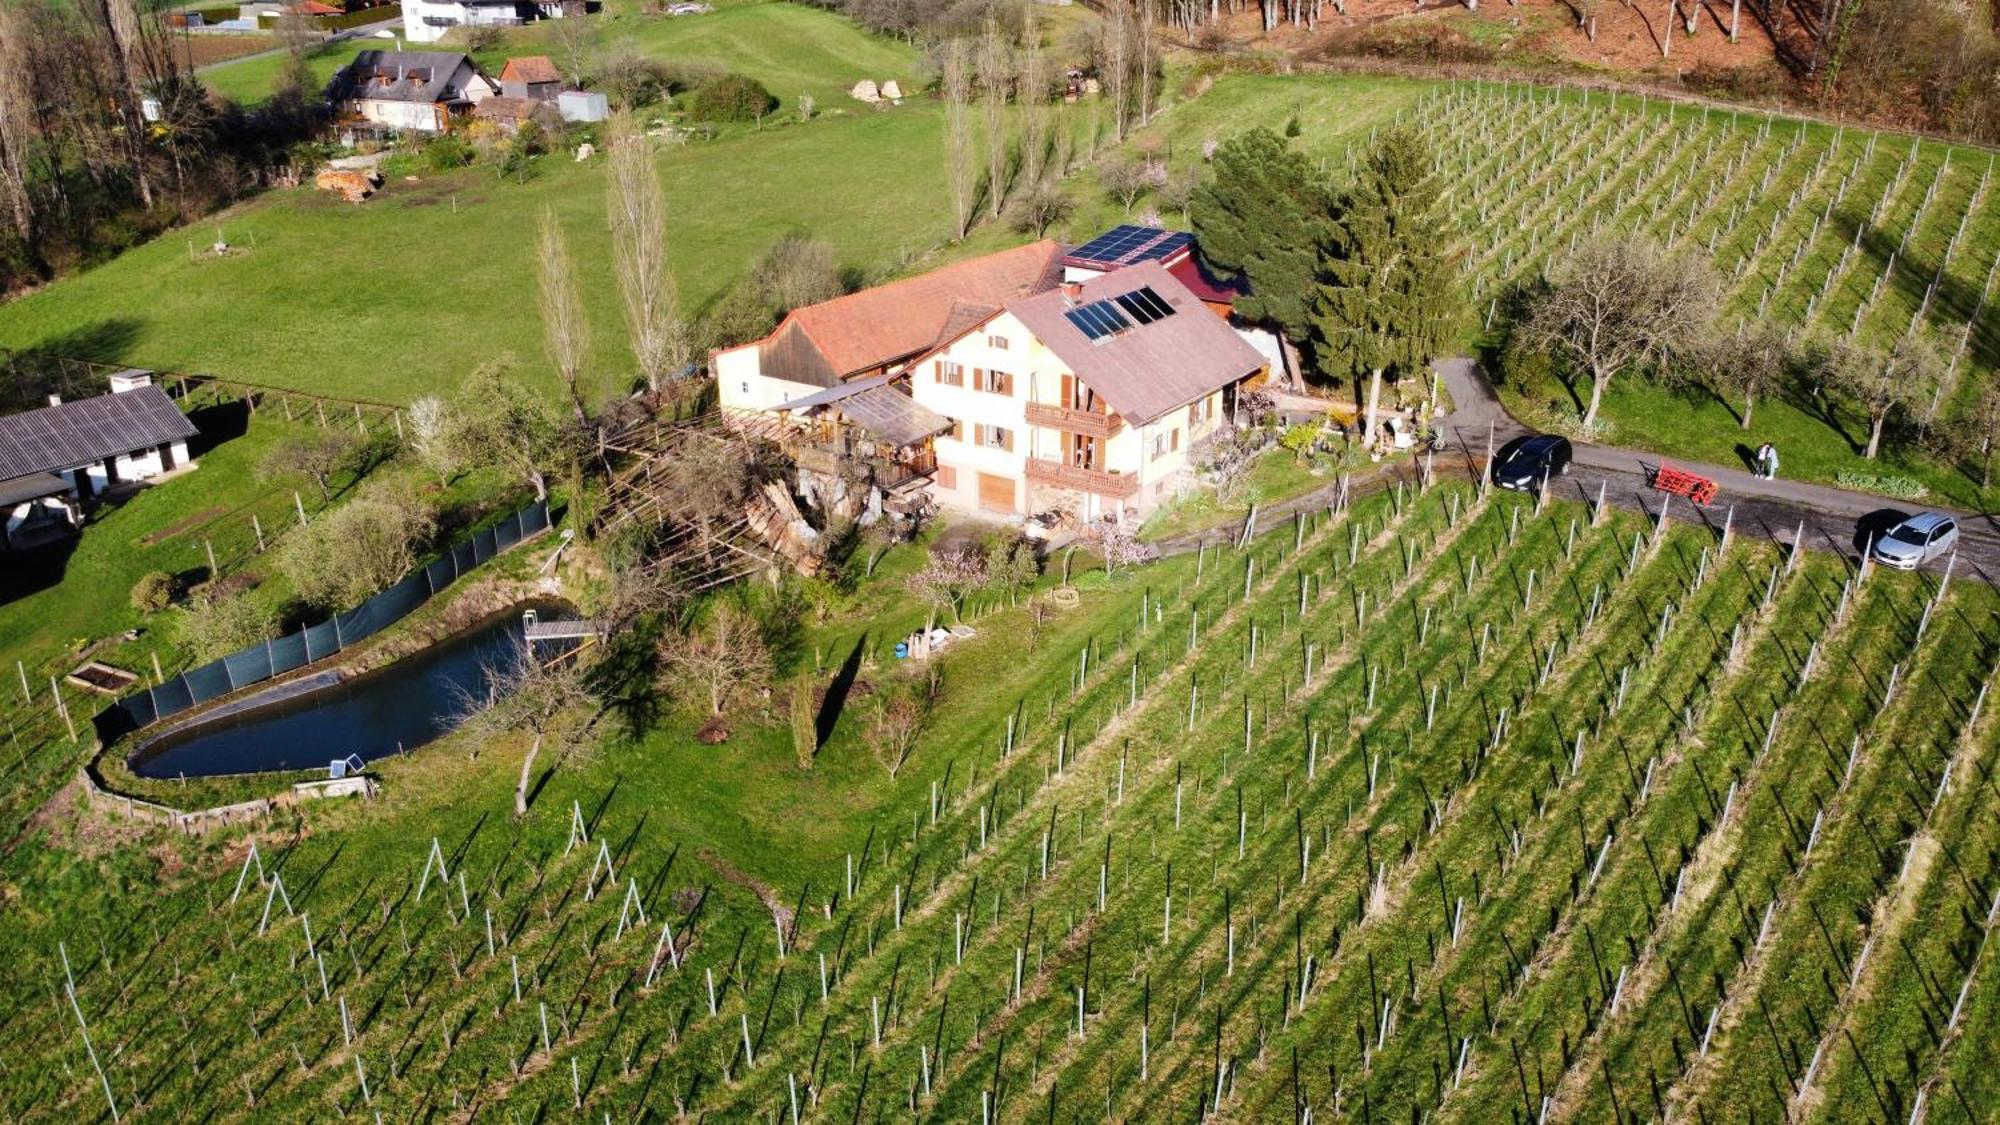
<point x="1089" y="398"/>
<point x="409" y="91"/>
<point x="53" y="458"/>
<point x="427" y="21"/>
<point x="531" y="76"/>
<point x="876" y="331"/>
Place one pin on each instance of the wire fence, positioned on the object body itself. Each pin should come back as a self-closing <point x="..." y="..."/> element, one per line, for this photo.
<point x="261" y="662"/>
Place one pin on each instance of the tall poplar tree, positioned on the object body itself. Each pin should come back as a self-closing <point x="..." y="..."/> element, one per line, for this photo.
<point x="1389" y="283"/>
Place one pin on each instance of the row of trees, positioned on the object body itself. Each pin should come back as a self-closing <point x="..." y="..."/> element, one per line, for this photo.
<point x="107" y="138"/>
<point x="1623" y="306"/>
<point x="1362" y="277"/>
<point x="1007" y="71"/>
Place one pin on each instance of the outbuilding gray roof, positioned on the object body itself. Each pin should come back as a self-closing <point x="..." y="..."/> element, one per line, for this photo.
<point x="34" y="486"/>
<point x="89" y="430"/>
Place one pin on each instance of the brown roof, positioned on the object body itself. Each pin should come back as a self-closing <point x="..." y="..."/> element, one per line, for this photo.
<point x="530" y="68"/>
<point x="879" y="326"/>
<point x="1148" y="369"/>
<point x="501" y="107"/>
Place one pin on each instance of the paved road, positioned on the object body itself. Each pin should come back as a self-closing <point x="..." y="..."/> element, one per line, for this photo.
<point x="1834" y="518"/>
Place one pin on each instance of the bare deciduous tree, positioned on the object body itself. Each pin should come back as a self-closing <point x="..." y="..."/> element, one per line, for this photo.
<point x="1881" y="383"/>
<point x="661" y="343"/>
<point x="1752" y="365"/>
<point x="546" y="698"/>
<point x="961" y="176"/>
<point x="564" y="332"/>
<point x="317" y="455"/>
<point x="1617" y="302"/>
<point x="996" y="72"/>
<point x="719" y="664"/>
<point x="1125" y="180"/>
<point x="896" y="717"/>
<point x="1031" y="87"/>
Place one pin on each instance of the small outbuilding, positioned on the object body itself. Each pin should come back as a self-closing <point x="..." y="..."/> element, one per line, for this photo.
<point x="54" y="457"/>
<point x="531" y="76"/>
<point x="583" y="105"/>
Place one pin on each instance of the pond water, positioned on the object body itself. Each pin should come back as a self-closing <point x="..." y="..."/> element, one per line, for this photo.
<point x="385" y="712"/>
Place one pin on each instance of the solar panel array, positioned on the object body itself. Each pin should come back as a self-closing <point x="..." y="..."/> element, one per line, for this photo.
<point x="1128" y="244"/>
<point x="1098" y="319"/>
<point x="1145" y="305"/>
<point x="1113" y="315"/>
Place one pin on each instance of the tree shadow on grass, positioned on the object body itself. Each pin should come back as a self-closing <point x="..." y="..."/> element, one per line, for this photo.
<point x="837" y="692"/>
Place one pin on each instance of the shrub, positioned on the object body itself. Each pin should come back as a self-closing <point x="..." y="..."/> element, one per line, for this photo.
<point x="446" y="152"/>
<point x="217" y="626"/>
<point x="1902" y="488"/>
<point x="805" y="723"/>
<point x="733" y="97"/>
<point x="154" y="592"/>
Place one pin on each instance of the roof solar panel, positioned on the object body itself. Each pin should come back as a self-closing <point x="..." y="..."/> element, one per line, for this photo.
<point x="1127" y="244"/>
<point x="1098" y="319"/>
<point x="1145" y="305"/>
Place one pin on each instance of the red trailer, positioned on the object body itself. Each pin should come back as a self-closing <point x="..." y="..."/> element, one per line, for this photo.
<point x="1680" y="482"/>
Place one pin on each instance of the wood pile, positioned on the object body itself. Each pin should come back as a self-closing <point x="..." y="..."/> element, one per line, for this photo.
<point x="353" y="186"/>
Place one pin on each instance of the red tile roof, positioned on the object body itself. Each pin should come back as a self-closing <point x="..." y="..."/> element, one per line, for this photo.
<point x="1208" y="285"/>
<point x="530" y="68"/>
<point x="878" y="326"/>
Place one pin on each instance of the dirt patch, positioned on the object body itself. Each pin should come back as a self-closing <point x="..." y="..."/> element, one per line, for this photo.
<point x="1531" y="31"/>
<point x="202" y="50"/>
<point x="734" y="874"/>
<point x="168" y="532"/>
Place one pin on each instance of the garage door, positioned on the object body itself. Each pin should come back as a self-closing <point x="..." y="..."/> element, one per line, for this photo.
<point x="996" y="494"/>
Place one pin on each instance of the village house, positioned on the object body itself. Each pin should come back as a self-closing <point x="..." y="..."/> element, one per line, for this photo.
<point x="1090" y="398"/>
<point x="414" y="91"/>
<point x="55" y="457"/>
<point x="427" y="21"/>
<point x="531" y="76"/>
<point x="876" y="331"/>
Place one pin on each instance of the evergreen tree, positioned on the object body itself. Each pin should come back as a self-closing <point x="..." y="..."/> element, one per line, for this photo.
<point x="1388" y="284"/>
<point x="1264" y="218"/>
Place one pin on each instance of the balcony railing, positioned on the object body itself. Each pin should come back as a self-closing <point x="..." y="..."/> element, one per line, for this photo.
<point x="1057" y="474"/>
<point x="1090" y="423"/>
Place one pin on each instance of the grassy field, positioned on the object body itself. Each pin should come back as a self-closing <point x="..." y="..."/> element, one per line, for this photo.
<point x="1653" y="782"/>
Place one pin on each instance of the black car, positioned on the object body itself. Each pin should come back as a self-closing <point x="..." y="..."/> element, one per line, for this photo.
<point x="1525" y="463"/>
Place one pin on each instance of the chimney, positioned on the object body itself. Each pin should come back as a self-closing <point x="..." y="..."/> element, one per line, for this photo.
<point x="130" y="381"/>
<point x="55" y="400"/>
<point x="1072" y="291"/>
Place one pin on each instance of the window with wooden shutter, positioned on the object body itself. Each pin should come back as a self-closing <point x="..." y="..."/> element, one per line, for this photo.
<point x="1176" y="439"/>
<point x="958" y="429"/>
<point x="1000" y="383"/>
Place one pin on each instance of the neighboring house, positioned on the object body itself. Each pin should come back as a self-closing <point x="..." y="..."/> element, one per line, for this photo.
<point x="417" y="91"/>
<point x="427" y="21"/>
<point x="54" y="457"/>
<point x="876" y="331"/>
<point x="531" y="76"/>
<point x="1089" y="397"/>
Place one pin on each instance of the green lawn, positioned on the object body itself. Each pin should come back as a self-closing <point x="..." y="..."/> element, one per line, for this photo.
<point x="792" y="49"/>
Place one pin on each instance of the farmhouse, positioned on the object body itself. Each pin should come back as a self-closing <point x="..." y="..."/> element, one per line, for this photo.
<point x="1089" y="398"/>
<point x="54" y="457"/>
<point x="417" y="91"/>
<point x="876" y="331"/>
<point x="427" y="21"/>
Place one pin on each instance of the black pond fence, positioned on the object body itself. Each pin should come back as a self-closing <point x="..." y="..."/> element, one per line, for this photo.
<point x="292" y="651"/>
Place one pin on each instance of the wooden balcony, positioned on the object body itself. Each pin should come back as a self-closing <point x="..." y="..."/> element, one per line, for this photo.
<point x="1090" y="423"/>
<point x="1056" y="474"/>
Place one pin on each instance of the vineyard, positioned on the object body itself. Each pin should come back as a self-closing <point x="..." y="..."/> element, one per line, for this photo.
<point x="1418" y="807"/>
<point x="1817" y="228"/>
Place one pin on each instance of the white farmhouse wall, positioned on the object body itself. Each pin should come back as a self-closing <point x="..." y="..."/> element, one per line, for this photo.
<point x="741" y="384"/>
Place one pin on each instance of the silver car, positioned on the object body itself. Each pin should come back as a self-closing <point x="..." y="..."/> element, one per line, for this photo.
<point x="1917" y="540"/>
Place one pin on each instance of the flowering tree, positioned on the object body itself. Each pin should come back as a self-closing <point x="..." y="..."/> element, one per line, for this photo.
<point x="1117" y="544"/>
<point x="954" y="571"/>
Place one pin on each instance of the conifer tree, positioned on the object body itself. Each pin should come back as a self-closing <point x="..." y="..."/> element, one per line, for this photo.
<point x="1388" y="287"/>
<point x="1265" y="218"/>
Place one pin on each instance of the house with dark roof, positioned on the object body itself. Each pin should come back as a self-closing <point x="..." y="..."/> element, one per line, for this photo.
<point x="411" y="91"/>
<point x="54" y="457"/>
<point x="876" y="331"/>
<point x="1087" y="398"/>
